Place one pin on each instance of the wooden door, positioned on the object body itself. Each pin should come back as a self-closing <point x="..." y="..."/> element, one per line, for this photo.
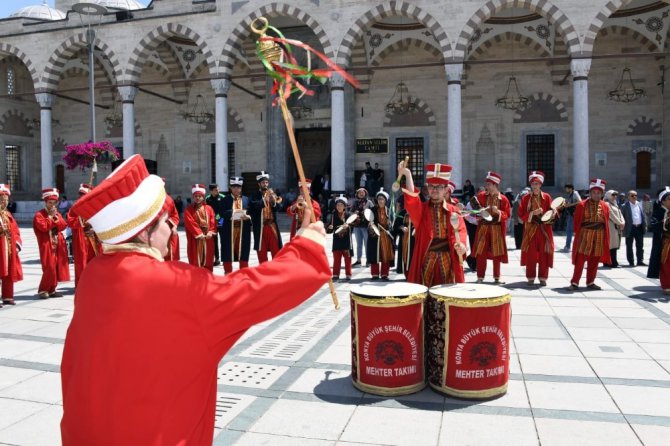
<point x="643" y="170"/>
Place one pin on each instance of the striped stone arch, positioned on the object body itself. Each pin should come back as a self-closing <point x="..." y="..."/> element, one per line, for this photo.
<point x="116" y="131"/>
<point x="102" y="78"/>
<point x="542" y="107"/>
<point x="599" y="21"/>
<point x="54" y="68"/>
<point x="390" y="9"/>
<point x="14" y="122"/>
<point x="153" y="40"/>
<point x="539" y="49"/>
<point x="243" y="28"/>
<point x="624" y="31"/>
<point x="405" y="44"/>
<point x="235" y="123"/>
<point x="643" y="126"/>
<point x="423" y="116"/>
<point x="14" y="51"/>
<point x="543" y="7"/>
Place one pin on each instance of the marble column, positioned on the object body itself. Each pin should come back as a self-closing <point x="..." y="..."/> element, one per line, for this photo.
<point x="454" y="138"/>
<point x="128" y="93"/>
<point x="221" y="87"/>
<point x="337" y="131"/>
<point x="580" y="121"/>
<point x="46" y="101"/>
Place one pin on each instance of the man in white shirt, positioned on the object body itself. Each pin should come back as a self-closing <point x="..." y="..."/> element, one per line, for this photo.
<point x="635" y="227"/>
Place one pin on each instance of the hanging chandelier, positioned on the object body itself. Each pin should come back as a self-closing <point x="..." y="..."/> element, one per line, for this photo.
<point x="625" y="90"/>
<point x="115" y="118"/>
<point x="401" y="102"/>
<point x="198" y="114"/>
<point x="512" y="100"/>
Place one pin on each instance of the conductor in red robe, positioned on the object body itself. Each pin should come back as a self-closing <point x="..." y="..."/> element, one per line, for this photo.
<point x="141" y="353"/>
<point x="297" y="208"/>
<point x="48" y="224"/>
<point x="10" y="245"/>
<point x="537" y="248"/>
<point x="439" y="247"/>
<point x="200" y="226"/>
<point x="85" y="244"/>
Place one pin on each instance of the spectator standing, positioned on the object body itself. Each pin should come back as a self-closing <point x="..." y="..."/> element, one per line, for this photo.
<point x="616" y="224"/>
<point x="468" y="191"/>
<point x="361" y="225"/>
<point x="636" y="226"/>
<point x="571" y="199"/>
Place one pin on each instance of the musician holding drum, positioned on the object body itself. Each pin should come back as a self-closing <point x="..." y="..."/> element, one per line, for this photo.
<point x="263" y="210"/>
<point x="380" y="250"/>
<point x="441" y="236"/>
<point x="659" y="263"/>
<point x="340" y="226"/>
<point x="537" y="247"/>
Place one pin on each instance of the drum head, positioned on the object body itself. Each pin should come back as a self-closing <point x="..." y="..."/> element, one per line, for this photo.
<point x="468" y="291"/>
<point x="557" y="202"/>
<point x="375" y="229"/>
<point x="379" y="291"/>
<point x="547" y="215"/>
<point x="352" y="218"/>
<point x="369" y="216"/>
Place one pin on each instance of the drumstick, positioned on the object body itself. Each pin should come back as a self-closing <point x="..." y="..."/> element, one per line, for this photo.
<point x="395" y="187"/>
<point x="455" y="223"/>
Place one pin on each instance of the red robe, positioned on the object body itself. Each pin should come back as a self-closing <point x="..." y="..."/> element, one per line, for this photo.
<point x="84" y="248"/>
<point x="200" y="251"/>
<point x="10" y="264"/>
<point x="142" y="372"/>
<point x="296" y="217"/>
<point x="493" y="233"/>
<point x="173" y="218"/>
<point x="578" y="220"/>
<point x="55" y="261"/>
<point x="530" y="230"/>
<point x="421" y="216"/>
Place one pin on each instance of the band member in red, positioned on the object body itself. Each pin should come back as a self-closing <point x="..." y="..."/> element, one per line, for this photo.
<point x="263" y="209"/>
<point x="48" y="224"/>
<point x="490" y="238"/>
<point x="10" y="245"/>
<point x="141" y="353"/>
<point x="236" y="232"/>
<point x="380" y="250"/>
<point x="342" y="246"/>
<point x="451" y="187"/>
<point x="296" y="209"/>
<point x="592" y="235"/>
<point x="173" y="219"/>
<point x="659" y="262"/>
<point x="439" y="248"/>
<point x="200" y="227"/>
<point x="85" y="244"/>
<point x="537" y="247"/>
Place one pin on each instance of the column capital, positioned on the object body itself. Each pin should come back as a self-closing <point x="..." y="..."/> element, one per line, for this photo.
<point x="128" y="93"/>
<point x="45" y="99"/>
<point x="337" y="81"/>
<point x="454" y="72"/>
<point x="221" y="86"/>
<point x="580" y="68"/>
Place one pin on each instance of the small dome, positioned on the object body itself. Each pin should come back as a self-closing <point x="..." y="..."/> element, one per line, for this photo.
<point x="40" y="12"/>
<point x="127" y="5"/>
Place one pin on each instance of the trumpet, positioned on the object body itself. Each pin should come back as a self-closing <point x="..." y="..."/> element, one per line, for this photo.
<point x="270" y="195"/>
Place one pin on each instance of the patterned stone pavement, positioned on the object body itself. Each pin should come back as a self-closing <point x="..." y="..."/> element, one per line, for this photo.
<point x="586" y="368"/>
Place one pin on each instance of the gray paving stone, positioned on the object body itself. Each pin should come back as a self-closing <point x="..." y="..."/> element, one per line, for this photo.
<point x="486" y="430"/>
<point x="393" y="426"/>
<point x="557" y="432"/>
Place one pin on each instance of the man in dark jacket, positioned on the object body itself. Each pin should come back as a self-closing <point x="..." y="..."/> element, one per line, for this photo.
<point x="215" y="200"/>
<point x="636" y="226"/>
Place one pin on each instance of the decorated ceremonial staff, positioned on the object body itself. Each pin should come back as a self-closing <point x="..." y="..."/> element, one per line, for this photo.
<point x="537" y="246"/>
<point x="236" y="233"/>
<point x="490" y="238"/>
<point x="297" y="208"/>
<point x="85" y="244"/>
<point x="441" y="236"/>
<point x="263" y="209"/>
<point x="173" y="220"/>
<point x="659" y="263"/>
<point x="592" y="236"/>
<point x="10" y="246"/>
<point x="200" y="226"/>
<point x="339" y="225"/>
<point x="380" y="250"/>
<point x="48" y="224"/>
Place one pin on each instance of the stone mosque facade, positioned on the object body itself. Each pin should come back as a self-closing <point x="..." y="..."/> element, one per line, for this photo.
<point x="155" y="64"/>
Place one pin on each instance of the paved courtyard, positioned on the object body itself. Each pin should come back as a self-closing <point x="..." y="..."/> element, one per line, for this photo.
<point x="587" y="368"/>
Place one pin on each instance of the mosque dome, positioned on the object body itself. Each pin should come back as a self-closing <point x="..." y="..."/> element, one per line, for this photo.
<point x="127" y="5"/>
<point x="40" y="12"/>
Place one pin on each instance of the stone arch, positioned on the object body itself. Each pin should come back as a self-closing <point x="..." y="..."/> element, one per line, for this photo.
<point x="507" y="37"/>
<point x="599" y="21"/>
<point x="103" y="78"/>
<point x="543" y="7"/>
<point x="242" y="30"/>
<point x="235" y="123"/>
<point x="644" y="126"/>
<point x="405" y="44"/>
<point x="423" y="116"/>
<point x="542" y="107"/>
<point x="388" y="9"/>
<point x="152" y="41"/>
<point x="10" y="49"/>
<point x="54" y="68"/>
<point x="624" y="31"/>
<point x="14" y="122"/>
<point x="116" y="131"/>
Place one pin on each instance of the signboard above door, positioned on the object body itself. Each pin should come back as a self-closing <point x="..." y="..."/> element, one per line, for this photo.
<point x="372" y="145"/>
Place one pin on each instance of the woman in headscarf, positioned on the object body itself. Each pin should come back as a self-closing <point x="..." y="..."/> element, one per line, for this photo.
<point x="616" y="224"/>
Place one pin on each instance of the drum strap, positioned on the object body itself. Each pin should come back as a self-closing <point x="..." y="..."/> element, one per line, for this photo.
<point x="593" y="226"/>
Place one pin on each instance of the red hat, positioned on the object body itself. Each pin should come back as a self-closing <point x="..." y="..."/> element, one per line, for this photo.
<point x="308" y="183"/>
<point x="4" y="190"/>
<point x="438" y="173"/>
<point x="50" y="194"/>
<point x="451" y="186"/>
<point x="85" y="188"/>
<point x="536" y="175"/>
<point x="198" y="189"/>
<point x="493" y="177"/>
<point x="599" y="183"/>
<point x="125" y="203"/>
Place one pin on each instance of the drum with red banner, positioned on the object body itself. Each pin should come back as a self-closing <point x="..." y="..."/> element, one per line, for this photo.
<point x="387" y="338"/>
<point x="468" y="340"/>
